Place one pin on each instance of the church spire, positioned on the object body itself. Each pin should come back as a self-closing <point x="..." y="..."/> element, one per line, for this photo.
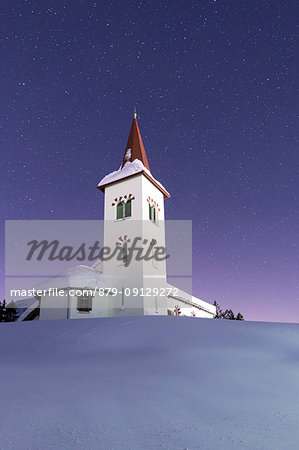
<point x="134" y="152"/>
<point x="135" y="148"/>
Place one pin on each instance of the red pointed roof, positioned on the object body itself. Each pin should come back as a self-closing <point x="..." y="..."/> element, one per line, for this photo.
<point x="135" y="148"/>
<point x="134" y="151"/>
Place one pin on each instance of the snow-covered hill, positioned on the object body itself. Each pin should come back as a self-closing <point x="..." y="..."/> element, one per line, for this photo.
<point x="149" y="383"/>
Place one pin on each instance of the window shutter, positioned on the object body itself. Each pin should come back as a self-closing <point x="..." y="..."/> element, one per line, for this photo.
<point x="119" y="210"/>
<point x="128" y="207"/>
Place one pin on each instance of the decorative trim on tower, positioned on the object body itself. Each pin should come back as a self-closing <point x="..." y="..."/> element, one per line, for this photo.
<point x="150" y="200"/>
<point x="121" y="240"/>
<point x="122" y="198"/>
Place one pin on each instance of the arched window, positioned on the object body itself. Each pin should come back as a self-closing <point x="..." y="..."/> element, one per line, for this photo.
<point x="128" y="208"/>
<point x="154" y="214"/>
<point x="120" y="210"/>
<point x="84" y="303"/>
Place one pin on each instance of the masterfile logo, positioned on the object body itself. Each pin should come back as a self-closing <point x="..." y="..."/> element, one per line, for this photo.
<point x="140" y="249"/>
<point x="38" y="250"/>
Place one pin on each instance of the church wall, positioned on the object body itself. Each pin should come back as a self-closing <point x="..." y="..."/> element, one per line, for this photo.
<point x="103" y="306"/>
<point x="186" y="309"/>
<point x="115" y="272"/>
<point x="140" y="275"/>
<point x="154" y="272"/>
<point x="53" y="307"/>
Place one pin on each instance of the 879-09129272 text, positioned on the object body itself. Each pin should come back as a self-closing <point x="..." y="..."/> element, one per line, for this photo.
<point x="142" y="292"/>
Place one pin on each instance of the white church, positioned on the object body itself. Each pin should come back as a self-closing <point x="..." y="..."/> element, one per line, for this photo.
<point x="134" y="206"/>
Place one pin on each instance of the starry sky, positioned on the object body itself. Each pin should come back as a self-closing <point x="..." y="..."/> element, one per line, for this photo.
<point x="215" y="85"/>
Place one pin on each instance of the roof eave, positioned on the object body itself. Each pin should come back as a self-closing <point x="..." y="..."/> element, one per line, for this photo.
<point x="164" y="192"/>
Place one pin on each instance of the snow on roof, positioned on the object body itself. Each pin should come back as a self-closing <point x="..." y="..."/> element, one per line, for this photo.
<point x="205" y="305"/>
<point x="80" y="276"/>
<point x="35" y="304"/>
<point x="25" y="302"/>
<point x="129" y="169"/>
<point x="190" y="299"/>
<point x="98" y="265"/>
<point x="128" y="154"/>
<point x="156" y="181"/>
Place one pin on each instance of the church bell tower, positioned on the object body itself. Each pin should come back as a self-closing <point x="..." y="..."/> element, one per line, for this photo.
<point x="134" y="216"/>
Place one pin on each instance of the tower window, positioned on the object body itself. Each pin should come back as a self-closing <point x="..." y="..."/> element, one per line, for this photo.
<point x="84" y="303"/>
<point x="128" y="208"/>
<point x="153" y="213"/>
<point x="124" y="209"/>
<point x="119" y="210"/>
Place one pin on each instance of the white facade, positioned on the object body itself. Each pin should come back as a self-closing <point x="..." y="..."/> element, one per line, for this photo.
<point x="141" y="275"/>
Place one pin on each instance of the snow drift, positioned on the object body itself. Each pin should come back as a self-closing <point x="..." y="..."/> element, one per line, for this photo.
<point x="148" y="383"/>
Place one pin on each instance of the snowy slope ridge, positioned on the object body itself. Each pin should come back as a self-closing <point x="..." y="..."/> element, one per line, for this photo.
<point x="149" y="383"/>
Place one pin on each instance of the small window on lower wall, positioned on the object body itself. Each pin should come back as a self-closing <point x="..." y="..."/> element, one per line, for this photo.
<point x="84" y="303"/>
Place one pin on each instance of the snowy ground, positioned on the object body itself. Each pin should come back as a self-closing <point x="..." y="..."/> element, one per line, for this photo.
<point x="149" y="383"/>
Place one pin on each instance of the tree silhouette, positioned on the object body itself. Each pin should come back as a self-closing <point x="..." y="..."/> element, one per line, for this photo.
<point x="8" y="313"/>
<point x="228" y="314"/>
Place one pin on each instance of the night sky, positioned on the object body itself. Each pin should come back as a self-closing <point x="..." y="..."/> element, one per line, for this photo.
<point x="215" y="87"/>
